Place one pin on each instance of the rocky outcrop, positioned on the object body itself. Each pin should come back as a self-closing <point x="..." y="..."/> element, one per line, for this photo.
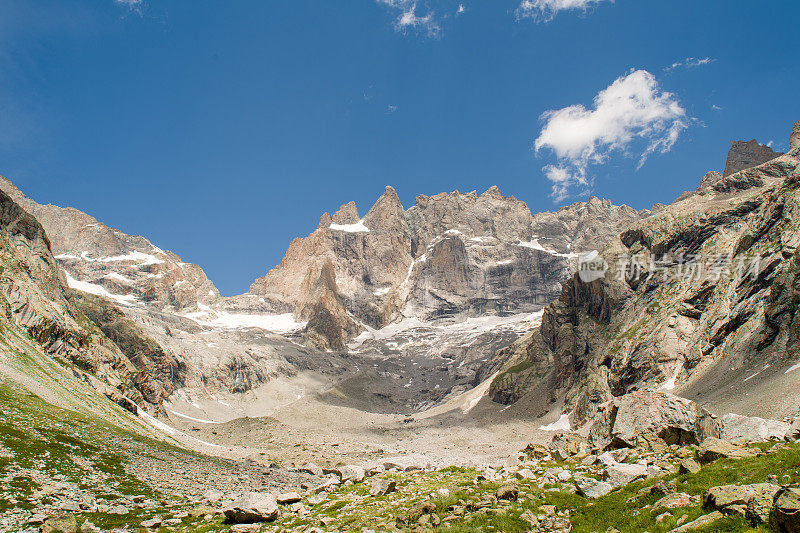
<point x="675" y="420"/>
<point x="34" y="299"/>
<point x="699" y="298"/>
<point x="747" y="154"/>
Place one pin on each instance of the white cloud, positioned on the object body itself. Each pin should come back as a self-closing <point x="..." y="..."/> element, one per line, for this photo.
<point x="391" y="109"/>
<point x="632" y="115"/>
<point x="690" y="62"/>
<point x="715" y="107"/>
<point x="461" y="9"/>
<point x="409" y="19"/>
<point x="546" y="10"/>
<point x="132" y="5"/>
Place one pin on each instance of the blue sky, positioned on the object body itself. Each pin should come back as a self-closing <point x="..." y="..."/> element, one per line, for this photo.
<point x="222" y="130"/>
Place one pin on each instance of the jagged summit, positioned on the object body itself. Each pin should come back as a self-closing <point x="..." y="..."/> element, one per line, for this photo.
<point x="747" y="154"/>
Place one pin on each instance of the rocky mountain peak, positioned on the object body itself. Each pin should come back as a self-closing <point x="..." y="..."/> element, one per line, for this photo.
<point x="493" y="192"/>
<point x="747" y="154"/>
<point x="794" y="139"/>
<point x="387" y="214"/>
<point x="347" y="214"/>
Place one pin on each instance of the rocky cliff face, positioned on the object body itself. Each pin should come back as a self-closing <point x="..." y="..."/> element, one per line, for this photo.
<point x="105" y="261"/>
<point x="36" y="301"/>
<point x="747" y="154"/>
<point x="700" y="298"/>
<point x="448" y="256"/>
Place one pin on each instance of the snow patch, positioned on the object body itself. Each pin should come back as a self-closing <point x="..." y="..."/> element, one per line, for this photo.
<point x="169" y="430"/>
<point x="792" y="368"/>
<point x="358" y="227"/>
<point x="187" y="417"/>
<point x="562" y="424"/>
<point x="535" y="245"/>
<point x="131" y="257"/>
<point x="284" y="323"/>
<point x="98" y="290"/>
<point x="119" y="277"/>
<point x="382" y="292"/>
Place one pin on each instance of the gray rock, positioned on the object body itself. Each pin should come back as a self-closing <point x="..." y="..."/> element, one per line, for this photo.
<point x="726" y="496"/>
<point x="253" y="507"/>
<point x="689" y="466"/>
<point x="382" y="487"/>
<point x="747" y="154"/>
<point x="703" y="521"/>
<point x="507" y="492"/>
<point x="622" y="473"/>
<point x="785" y="514"/>
<point x="350" y="473"/>
<point x="62" y="523"/>
<point x="288" y="498"/>
<point x="674" y="419"/>
<point x="712" y="449"/>
<point x="153" y="523"/>
<point x="794" y="138"/>
<point x="591" y="488"/>
<point x="747" y="429"/>
<point x="311" y="468"/>
<point x="793" y="433"/>
<point x="213" y="495"/>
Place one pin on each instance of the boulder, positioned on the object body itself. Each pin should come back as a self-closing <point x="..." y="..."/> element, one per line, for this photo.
<point x="62" y="523"/>
<point x="253" y="507"/>
<point x="525" y="473"/>
<point x="688" y="466"/>
<point x="673" y="501"/>
<point x="746" y="429"/>
<point x="793" y="433"/>
<point x="382" y="487"/>
<point x="675" y="420"/>
<point x="785" y="514"/>
<point x="703" y="521"/>
<point x="153" y="523"/>
<point x="726" y="496"/>
<point x="288" y="498"/>
<point x="712" y="449"/>
<point x="507" y="492"/>
<point x="350" y="473"/>
<point x="566" y="445"/>
<point x="591" y="488"/>
<point x="536" y="451"/>
<point x="245" y="528"/>
<point x="213" y="495"/>
<point x="622" y="473"/>
<point x="311" y="468"/>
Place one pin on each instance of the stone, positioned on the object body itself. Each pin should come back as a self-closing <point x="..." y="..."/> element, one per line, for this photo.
<point x="507" y="492"/>
<point x="651" y="443"/>
<point x="311" y="468"/>
<point x="201" y="510"/>
<point x="674" y="419"/>
<point x="213" y="495"/>
<point x="350" y="473"/>
<point x="288" y="498"/>
<point x="664" y="516"/>
<point x="673" y="501"/>
<point x="747" y="429"/>
<point x="785" y="514"/>
<point x="70" y="507"/>
<point x="591" y="488"/>
<point x="536" y="451"/>
<point x="62" y="523"/>
<point x="725" y="496"/>
<point x="245" y="528"/>
<point x="119" y="510"/>
<point x="623" y="473"/>
<point x="153" y="523"/>
<point x="703" y="521"/>
<point x="88" y="527"/>
<point x="689" y="466"/>
<point x="382" y="487"/>
<point x="566" y="445"/>
<point x="421" y="509"/>
<point x="253" y="507"/>
<point x="793" y="433"/>
<point x="712" y="449"/>
<point x="525" y="473"/>
<point x="794" y="138"/>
